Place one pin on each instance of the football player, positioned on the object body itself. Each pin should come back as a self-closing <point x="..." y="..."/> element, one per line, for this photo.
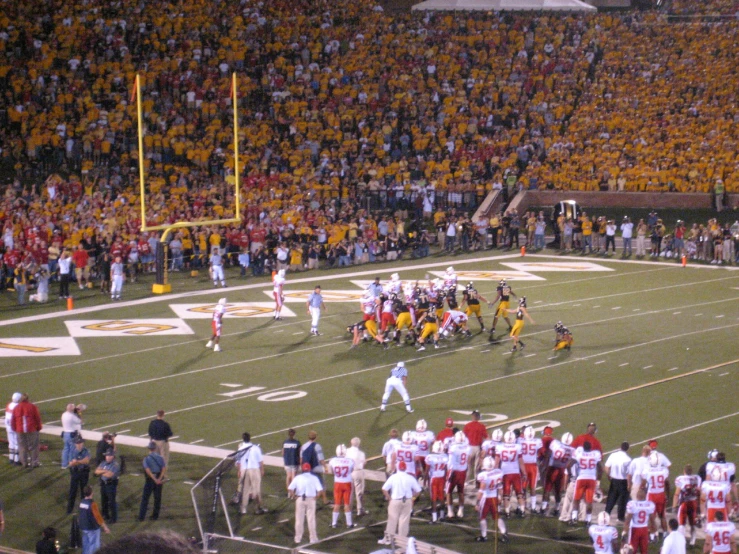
<point x="424" y="440"/>
<point x="406" y="452"/>
<point x="368" y="327"/>
<point x="715" y="494"/>
<point x="430" y="328"/>
<point x="530" y="447"/>
<point x="278" y="284"/>
<point x="216" y="324"/>
<point x="639" y="521"/>
<point x="491" y="480"/>
<point x="450" y="287"/>
<point x="342" y="468"/>
<point x="605" y="537"/>
<point x="459" y="452"/>
<point x="453" y="320"/>
<point x="687" y="493"/>
<point x="720" y="536"/>
<point x="563" y="339"/>
<point x="488" y="446"/>
<point x="503" y="294"/>
<point x="508" y="459"/>
<point x="728" y="471"/>
<point x="437" y="463"/>
<point x="472" y="299"/>
<point x="589" y="461"/>
<point x="403" y="320"/>
<point x="521" y="312"/>
<point x="560" y="453"/>
<point x="658" y="488"/>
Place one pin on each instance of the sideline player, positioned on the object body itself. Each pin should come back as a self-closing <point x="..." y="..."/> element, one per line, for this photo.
<point x="588" y="477"/>
<point x="658" y="488"/>
<point x="278" y="284"/>
<point x="472" y="298"/>
<point x="715" y="495"/>
<point x="398" y="381"/>
<point x="521" y="312"/>
<point x="560" y="453"/>
<point x="720" y="536"/>
<point x="639" y="521"/>
<point x="459" y="454"/>
<point x="503" y="293"/>
<point x="424" y="440"/>
<point x="407" y="452"/>
<point x="491" y="480"/>
<point x="530" y="447"/>
<point x="437" y="463"/>
<point x="216" y="324"/>
<point x="687" y="493"/>
<point x="508" y="459"/>
<point x="342" y="468"/>
<point x="605" y="537"/>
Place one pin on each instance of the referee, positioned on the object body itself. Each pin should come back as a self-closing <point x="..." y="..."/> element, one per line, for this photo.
<point x="618" y="491"/>
<point x="398" y="381"/>
<point x="315" y="305"/>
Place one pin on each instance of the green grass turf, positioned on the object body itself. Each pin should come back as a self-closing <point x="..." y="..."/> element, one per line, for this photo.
<point x="628" y="333"/>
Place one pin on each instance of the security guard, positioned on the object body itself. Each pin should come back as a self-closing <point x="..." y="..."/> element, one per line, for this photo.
<point x="155" y="469"/>
<point x="109" y="471"/>
<point x="79" y="471"/>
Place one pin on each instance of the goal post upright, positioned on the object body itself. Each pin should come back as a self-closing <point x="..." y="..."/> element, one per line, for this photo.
<point x="162" y="285"/>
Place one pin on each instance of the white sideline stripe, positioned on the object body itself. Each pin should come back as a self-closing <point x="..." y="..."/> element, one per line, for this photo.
<point x="696" y="315"/>
<point x="123" y="431"/>
<point x="261" y="358"/>
<point x="481" y="351"/>
<point x="260" y="285"/>
<point x="197" y="441"/>
<point x="343" y="375"/>
<point x="599" y="362"/>
<point x="616" y="308"/>
<point x="724" y="374"/>
<point x="623" y="364"/>
<point x="672" y="369"/>
<point x="647" y="366"/>
<point x="719" y="316"/>
<point x="494" y="379"/>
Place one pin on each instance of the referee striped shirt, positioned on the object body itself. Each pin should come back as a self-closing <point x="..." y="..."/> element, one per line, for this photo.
<point x="399" y="372"/>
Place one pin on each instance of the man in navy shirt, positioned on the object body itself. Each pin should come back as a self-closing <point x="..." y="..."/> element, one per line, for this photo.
<point x="155" y="469"/>
<point x="291" y="456"/>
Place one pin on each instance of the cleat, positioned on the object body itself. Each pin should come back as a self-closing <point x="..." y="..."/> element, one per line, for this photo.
<point x="334" y="526"/>
<point x="217" y="348"/>
<point x="420" y="348"/>
<point x="382" y="408"/>
<point x="481" y="539"/>
<point x="460" y="513"/>
<point x="513" y="349"/>
<point x="436" y="346"/>
<point x="522" y="346"/>
<point x="504" y="538"/>
<point x="409" y="410"/>
<point x="209" y="344"/>
<point x="519" y="513"/>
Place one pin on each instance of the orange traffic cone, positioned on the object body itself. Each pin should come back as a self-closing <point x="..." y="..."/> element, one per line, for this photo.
<point x="685" y="260"/>
<point x="523" y="251"/>
<point x="70" y="303"/>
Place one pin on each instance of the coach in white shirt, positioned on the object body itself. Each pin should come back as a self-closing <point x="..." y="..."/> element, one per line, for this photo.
<point x="251" y="471"/>
<point x="401" y="490"/>
<point x="636" y="469"/>
<point x="675" y="541"/>
<point x="617" y="466"/>
<point x="359" y="457"/>
<point x="304" y="489"/>
<point x="71" y="427"/>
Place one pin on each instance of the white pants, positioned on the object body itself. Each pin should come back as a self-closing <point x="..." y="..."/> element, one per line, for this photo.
<point x="217" y="274"/>
<point x="358" y="480"/>
<point x="116" y="285"/>
<point x="640" y="245"/>
<point x="12" y="445"/>
<point x="305" y="509"/>
<point x="397" y="384"/>
<point x="399" y="517"/>
<point x="315" y="315"/>
<point x="39" y="297"/>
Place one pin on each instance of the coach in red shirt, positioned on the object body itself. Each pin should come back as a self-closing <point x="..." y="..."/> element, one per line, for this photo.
<point x="447" y="431"/>
<point x="27" y="423"/>
<point x="588" y="436"/>
<point x="475" y="432"/>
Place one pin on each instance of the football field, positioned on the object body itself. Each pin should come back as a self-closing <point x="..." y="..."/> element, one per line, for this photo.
<point x="655" y="355"/>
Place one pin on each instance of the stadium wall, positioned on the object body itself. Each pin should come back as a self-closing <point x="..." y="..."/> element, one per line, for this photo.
<point x="657" y="200"/>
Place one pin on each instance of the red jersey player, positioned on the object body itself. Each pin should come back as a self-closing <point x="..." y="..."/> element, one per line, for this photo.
<point x="437" y="463"/>
<point x="508" y="459"/>
<point x="491" y="480"/>
<point x="687" y="493"/>
<point x="530" y="447"/>
<point x="216" y="324"/>
<point x="342" y="468"/>
<point x="639" y="521"/>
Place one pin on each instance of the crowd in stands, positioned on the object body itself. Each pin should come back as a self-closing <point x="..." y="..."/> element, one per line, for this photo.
<point x="348" y="117"/>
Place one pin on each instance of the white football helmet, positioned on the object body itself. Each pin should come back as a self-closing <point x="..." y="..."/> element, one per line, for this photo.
<point x="627" y="549"/>
<point x="459" y="437"/>
<point x="395" y="277"/>
<point x="449" y="270"/>
<point x="437" y="283"/>
<point x="716" y="474"/>
<point x="497" y="435"/>
<point x="407" y="437"/>
<point x="488" y="463"/>
<point x="654" y="459"/>
<point x="222" y="302"/>
<point x="529" y="433"/>
<point x="421" y="425"/>
<point x="340" y="451"/>
<point x="604" y="518"/>
<point x="281" y="273"/>
<point x="401" y="364"/>
<point x="509" y="437"/>
<point x="567" y="439"/>
<point x="437" y="447"/>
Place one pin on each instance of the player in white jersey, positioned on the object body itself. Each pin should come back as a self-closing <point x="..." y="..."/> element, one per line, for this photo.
<point x="658" y="488"/>
<point x="639" y="521"/>
<point x="715" y="495"/>
<point x="216" y="268"/>
<point x="488" y="447"/>
<point x="424" y="440"/>
<point x="453" y="320"/>
<point x="687" y="494"/>
<point x="720" y="536"/>
<point x="491" y="480"/>
<point x="342" y="468"/>
<point x="605" y="537"/>
<point x="437" y="463"/>
<point x="588" y="477"/>
<point x="388" y="449"/>
<point x="395" y="285"/>
<point x="530" y="446"/>
<point x="728" y="471"/>
<point x="12" y="435"/>
<point x="278" y="284"/>
<point x="459" y="453"/>
<point x="560" y="453"/>
<point x="216" y="325"/>
<point x="508" y="459"/>
<point x="406" y="452"/>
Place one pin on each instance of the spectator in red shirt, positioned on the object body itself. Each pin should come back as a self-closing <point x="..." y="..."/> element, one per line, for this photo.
<point x="475" y="432"/>
<point x="447" y="431"/>
<point x="80" y="257"/>
<point x="588" y="436"/>
<point x="27" y="423"/>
